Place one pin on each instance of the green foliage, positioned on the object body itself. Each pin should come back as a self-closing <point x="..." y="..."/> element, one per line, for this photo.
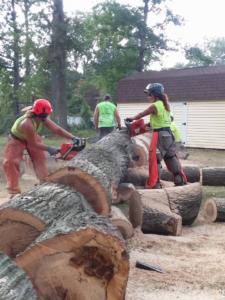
<point x="197" y="57"/>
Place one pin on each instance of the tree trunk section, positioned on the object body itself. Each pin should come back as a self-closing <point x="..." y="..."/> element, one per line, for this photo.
<point x="185" y="201"/>
<point x="214" y="210"/>
<point x="137" y="176"/>
<point x="14" y="283"/>
<point x="97" y="170"/>
<point x="192" y="173"/>
<point x="213" y="176"/>
<point x="126" y="192"/>
<point x="141" y="154"/>
<point x="77" y="254"/>
<point x="57" y="57"/>
<point x="157" y="216"/>
<point x="121" y="222"/>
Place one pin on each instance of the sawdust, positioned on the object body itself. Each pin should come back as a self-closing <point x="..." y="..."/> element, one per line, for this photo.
<point x="194" y="263"/>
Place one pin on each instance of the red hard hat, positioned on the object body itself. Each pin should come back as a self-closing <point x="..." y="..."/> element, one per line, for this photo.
<point x="42" y="106"/>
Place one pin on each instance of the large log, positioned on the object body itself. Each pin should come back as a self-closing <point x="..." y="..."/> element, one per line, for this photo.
<point x="78" y="254"/>
<point x="192" y="173"/>
<point x="126" y="192"/>
<point x="213" y="176"/>
<point x="157" y="216"/>
<point x="214" y="210"/>
<point x="185" y="201"/>
<point x="137" y="176"/>
<point x="14" y="282"/>
<point x="121" y="222"/>
<point x="97" y="170"/>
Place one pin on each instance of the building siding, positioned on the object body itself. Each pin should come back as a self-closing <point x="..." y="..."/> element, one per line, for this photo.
<point x="205" y="121"/>
<point x="206" y="124"/>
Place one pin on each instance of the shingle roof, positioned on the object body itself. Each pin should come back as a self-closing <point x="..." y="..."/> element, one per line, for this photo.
<point x="189" y="84"/>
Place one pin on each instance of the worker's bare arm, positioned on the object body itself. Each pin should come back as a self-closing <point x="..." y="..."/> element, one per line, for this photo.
<point x="56" y="129"/>
<point x="96" y="116"/>
<point x="150" y="110"/>
<point x="118" y="119"/>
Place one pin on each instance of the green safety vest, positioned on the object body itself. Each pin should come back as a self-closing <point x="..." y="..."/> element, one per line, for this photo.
<point x="162" y="118"/>
<point x="106" y="114"/>
<point x="176" y="132"/>
<point x="17" y="132"/>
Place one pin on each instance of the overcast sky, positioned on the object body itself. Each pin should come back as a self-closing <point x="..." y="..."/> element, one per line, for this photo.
<point x="204" y="19"/>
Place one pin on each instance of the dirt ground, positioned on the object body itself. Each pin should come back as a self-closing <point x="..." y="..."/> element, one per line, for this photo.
<point x="193" y="263"/>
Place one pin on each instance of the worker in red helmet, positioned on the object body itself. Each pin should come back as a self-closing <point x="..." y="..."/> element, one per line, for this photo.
<point x="24" y="135"/>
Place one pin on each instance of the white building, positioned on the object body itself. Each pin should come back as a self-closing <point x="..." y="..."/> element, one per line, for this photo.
<point x="197" y="97"/>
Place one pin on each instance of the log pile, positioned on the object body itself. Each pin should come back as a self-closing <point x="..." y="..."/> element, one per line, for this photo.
<point x="65" y="234"/>
<point x="60" y="232"/>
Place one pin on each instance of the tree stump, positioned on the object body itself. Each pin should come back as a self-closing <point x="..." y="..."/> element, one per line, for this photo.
<point x="157" y="216"/>
<point x="185" y="201"/>
<point x="213" y="176"/>
<point x="214" y="210"/>
<point x="14" y="282"/>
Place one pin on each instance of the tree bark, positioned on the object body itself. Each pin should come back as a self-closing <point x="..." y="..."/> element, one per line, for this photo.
<point x="97" y="170"/>
<point x="14" y="283"/>
<point x="213" y="176"/>
<point x="214" y="210"/>
<point x="137" y="176"/>
<point x="157" y="216"/>
<point x="57" y="57"/>
<point x="185" y="201"/>
<point x="192" y="173"/>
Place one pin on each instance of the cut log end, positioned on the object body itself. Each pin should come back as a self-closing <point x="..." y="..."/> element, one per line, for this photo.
<point x="16" y="237"/>
<point x="214" y="210"/>
<point x="96" y="268"/>
<point x="87" y="185"/>
<point x="121" y="222"/>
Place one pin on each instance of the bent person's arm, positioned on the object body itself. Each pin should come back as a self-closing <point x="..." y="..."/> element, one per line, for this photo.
<point x="96" y="116"/>
<point x="118" y="119"/>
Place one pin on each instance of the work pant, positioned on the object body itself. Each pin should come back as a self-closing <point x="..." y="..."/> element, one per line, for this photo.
<point x="163" y="147"/>
<point x="103" y="131"/>
<point x="13" y="155"/>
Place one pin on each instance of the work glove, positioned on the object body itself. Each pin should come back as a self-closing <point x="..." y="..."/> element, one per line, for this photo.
<point x="129" y="119"/>
<point x="76" y="140"/>
<point x="53" y="150"/>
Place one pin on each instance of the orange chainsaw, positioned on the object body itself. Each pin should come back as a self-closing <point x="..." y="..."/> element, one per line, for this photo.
<point x="68" y="151"/>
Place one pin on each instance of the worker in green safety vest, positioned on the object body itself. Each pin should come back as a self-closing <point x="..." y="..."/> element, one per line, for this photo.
<point x="106" y="117"/>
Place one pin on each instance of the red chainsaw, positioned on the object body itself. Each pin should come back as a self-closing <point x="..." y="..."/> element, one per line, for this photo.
<point x="68" y="151"/>
<point x="136" y="127"/>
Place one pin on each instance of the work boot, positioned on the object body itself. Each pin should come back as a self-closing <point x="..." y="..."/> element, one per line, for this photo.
<point x="178" y="180"/>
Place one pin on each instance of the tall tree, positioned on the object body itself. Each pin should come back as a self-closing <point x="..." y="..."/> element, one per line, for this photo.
<point x="150" y="34"/>
<point x="58" y="62"/>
